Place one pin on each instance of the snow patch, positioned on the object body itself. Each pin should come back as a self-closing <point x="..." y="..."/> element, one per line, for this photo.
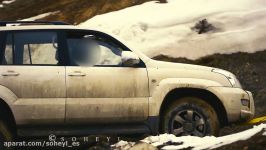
<point x="157" y="28"/>
<point x="6" y="2"/>
<point x="123" y="145"/>
<point x="197" y="143"/>
<point x="40" y="16"/>
<point x="264" y="133"/>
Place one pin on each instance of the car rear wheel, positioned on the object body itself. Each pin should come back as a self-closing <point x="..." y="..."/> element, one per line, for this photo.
<point x="190" y="116"/>
<point x="5" y="135"/>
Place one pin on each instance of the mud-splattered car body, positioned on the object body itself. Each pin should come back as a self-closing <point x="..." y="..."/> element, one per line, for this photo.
<point x="39" y="91"/>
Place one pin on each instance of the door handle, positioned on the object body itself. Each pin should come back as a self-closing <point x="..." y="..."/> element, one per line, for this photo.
<point x="76" y="73"/>
<point x="10" y="73"/>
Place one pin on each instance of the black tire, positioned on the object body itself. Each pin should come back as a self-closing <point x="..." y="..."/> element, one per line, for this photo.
<point x="190" y="116"/>
<point x="5" y="135"/>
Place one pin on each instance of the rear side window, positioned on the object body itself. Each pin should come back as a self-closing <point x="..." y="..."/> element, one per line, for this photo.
<point x="6" y="49"/>
<point x="31" y="48"/>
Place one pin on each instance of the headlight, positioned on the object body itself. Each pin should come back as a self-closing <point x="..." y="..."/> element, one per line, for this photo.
<point x="232" y="79"/>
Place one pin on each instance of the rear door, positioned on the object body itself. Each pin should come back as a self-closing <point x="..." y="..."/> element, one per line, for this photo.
<point x="31" y="67"/>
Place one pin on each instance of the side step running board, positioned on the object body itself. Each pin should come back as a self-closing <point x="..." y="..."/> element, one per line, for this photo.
<point x="36" y="131"/>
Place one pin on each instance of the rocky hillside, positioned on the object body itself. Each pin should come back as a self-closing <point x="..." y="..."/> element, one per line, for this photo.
<point x="72" y="11"/>
<point x="249" y="68"/>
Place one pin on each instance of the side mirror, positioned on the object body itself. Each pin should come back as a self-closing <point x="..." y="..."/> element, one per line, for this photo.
<point x="129" y="59"/>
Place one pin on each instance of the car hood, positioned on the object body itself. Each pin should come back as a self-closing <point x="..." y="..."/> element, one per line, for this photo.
<point x="162" y="64"/>
<point x="163" y="70"/>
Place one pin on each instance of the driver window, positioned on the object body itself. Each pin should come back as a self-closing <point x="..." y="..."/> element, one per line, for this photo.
<point x="91" y="50"/>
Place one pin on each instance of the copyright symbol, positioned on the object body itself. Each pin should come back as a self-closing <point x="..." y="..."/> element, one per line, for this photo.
<point x="52" y="137"/>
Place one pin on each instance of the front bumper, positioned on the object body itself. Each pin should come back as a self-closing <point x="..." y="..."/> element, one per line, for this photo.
<point x="248" y="113"/>
<point x="231" y="99"/>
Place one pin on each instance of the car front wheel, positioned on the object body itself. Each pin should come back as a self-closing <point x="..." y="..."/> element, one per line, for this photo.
<point x="190" y="116"/>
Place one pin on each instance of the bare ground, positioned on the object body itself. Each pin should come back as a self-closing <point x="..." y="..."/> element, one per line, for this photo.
<point x="71" y="11"/>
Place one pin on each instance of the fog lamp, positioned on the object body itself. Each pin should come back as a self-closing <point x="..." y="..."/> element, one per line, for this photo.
<point x="245" y="102"/>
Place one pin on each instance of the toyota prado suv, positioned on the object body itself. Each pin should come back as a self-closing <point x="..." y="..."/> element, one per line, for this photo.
<point x="66" y="80"/>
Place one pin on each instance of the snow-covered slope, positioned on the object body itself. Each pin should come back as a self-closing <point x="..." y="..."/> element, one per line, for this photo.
<point x="157" y="28"/>
<point x="171" y="142"/>
<point x="40" y="16"/>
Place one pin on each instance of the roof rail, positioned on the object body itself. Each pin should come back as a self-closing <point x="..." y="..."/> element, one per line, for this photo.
<point x="5" y="23"/>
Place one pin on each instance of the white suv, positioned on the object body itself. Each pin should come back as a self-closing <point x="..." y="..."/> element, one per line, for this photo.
<point x="66" y="80"/>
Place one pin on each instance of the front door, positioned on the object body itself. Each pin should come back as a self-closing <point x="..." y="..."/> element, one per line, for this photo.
<point x="30" y="69"/>
<point x="99" y="88"/>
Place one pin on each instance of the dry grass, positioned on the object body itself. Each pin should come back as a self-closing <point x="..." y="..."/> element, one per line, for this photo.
<point x="72" y="11"/>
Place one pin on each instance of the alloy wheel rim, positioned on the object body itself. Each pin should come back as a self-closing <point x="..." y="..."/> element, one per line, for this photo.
<point x="188" y="122"/>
